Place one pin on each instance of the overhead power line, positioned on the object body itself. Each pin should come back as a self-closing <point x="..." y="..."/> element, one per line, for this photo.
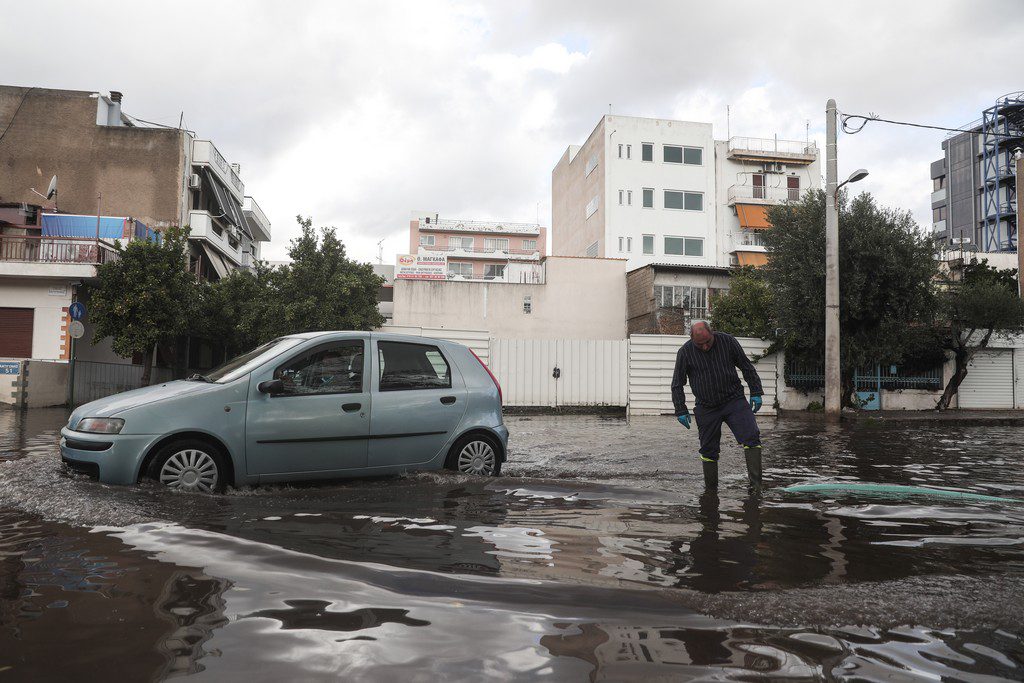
<point x="852" y="129"/>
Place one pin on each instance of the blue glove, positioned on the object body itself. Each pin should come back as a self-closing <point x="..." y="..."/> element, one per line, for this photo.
<point x="755" y="403"/>
<point x="684" y="420"/>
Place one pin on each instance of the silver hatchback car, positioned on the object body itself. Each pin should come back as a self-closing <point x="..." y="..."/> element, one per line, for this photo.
<point x="308" y="406"/>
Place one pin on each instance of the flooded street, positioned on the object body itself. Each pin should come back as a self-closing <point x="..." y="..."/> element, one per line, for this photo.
<point x="596" y="557"/>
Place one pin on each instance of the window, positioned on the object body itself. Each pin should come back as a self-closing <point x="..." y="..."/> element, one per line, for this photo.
<point x="939" y="214"/>
<point x="591" y="164"/>
<point x="629" y="197"/>
<point x="688" y="201"/>
<point x="622" y="243"/>
<point x="592" y="250"/>
<point x="622" y="194"/>
<point x="405" y="367"/>
<point x="458" y="269"/>
<point x="427" y="240"/>
<point x="592" y="206"/>
<point x="530" y="245"/>
<point x="684" y="246"/>
<point x="693" y="299"/>
<point x="335" y="368"/>
<point x="648" y="198"/>
<point x="939" y="183"/>
<point x="629" y="151"/>
<point x="758" y="181"/>
<point x="620" y="151"/>
<point x="494" y="271"/>
<point x="793" y="188"/>
<point x="629" y="245"/>
<point x="647" y="151"/>
<point x="693" y="156"/>
<point x="648" y="244"/>
<point x="527" y="304"/>
<point x="496" y="243"/>
<point x="461" y="243"/>
<point x="672" y="154"/>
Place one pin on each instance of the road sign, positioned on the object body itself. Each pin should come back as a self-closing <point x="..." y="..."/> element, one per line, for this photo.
<point x="8" y="367"/>
<point x="76" y="310"/>
<point x="76" y="329"/>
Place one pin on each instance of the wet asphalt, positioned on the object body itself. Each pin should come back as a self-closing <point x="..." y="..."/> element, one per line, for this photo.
<point x="596" y="556"/>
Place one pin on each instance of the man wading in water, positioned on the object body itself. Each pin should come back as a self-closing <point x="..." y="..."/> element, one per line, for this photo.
<point x="709" y="360"/>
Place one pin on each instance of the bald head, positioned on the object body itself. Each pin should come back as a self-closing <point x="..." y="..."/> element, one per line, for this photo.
<point x="702" y="336"/>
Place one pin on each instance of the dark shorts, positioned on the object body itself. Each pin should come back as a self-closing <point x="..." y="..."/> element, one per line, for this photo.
<point x="740" y="418"/>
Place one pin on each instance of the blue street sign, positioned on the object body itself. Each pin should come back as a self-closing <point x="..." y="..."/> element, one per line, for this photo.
<point x="10" y="368"/>
<point x="76" y="310"/>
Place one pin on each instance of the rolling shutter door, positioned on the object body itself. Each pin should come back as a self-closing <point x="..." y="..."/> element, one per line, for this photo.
<point x="989" y="381"/>
<point x="16" y="332"/>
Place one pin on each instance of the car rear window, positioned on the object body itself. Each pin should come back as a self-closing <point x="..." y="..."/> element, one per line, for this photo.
<point x="406" y="366"/>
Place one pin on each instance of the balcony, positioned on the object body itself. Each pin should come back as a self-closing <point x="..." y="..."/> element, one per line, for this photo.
<point x="483" y="253"/>
<point x="758" y="149"/>
<point x="205" y="154"/>
<point x="258" y="222"/>
<point x="218" y="235"/>
<point x="939" y="195"/>
<point x="33" y="256"/>
<point x="494" y="227"/>
<point x="939" y="227"/>
<point x="760" y="194"/>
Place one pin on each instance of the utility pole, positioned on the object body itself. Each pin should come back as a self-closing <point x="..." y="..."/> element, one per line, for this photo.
<point x="833" y="380"/>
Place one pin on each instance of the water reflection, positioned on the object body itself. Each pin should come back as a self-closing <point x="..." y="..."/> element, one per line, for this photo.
<point x="314" y="614"/>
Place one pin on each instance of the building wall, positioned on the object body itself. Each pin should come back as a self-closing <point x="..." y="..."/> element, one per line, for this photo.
<point x="582" y="299"/>
<point x="49" y="323"/>
<point x="572" y="232"/>
<point x="634" y="174"/>
<point x="138" y="171"/>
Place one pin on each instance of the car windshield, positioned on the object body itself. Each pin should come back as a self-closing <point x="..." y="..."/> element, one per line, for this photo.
<point x="240" y="365"/>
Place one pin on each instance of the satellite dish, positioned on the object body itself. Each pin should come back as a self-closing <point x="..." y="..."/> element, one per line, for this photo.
<point x="51" y="190"/>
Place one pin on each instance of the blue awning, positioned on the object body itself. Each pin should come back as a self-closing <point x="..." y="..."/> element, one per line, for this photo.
<point x="66" y="225"/>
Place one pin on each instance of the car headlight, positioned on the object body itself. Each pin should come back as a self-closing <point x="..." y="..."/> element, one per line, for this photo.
<point x="100" y="425"/>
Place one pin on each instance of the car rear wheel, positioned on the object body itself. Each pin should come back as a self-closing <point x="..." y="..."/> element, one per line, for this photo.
<point x="191" y="465"/>
<point x="475" y="454"/>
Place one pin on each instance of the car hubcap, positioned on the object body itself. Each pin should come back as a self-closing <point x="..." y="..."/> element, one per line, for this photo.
<point x="477" y="457"/>
<point x="190" y="470"/>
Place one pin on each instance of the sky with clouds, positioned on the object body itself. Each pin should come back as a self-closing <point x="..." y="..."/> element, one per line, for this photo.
<point x="359" y="112"/>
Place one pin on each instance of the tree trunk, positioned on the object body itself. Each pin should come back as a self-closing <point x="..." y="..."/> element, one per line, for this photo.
<point x="963" y="356"/>
<point x="147" y="367"/>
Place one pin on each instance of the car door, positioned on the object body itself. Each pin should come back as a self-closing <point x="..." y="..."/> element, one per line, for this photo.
<point x="418" y="401"/>
<point x="320" y="422"/>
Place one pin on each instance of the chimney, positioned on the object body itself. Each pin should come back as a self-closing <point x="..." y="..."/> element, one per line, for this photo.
<point x="114" y="112"/>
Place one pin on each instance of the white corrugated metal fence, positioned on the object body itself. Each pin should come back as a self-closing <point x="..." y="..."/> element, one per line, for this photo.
<point x="592" y="372"/>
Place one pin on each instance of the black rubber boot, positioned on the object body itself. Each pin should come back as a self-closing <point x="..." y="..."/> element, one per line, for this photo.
<point x="710" y="475"/>
<point x="753" y="457"/>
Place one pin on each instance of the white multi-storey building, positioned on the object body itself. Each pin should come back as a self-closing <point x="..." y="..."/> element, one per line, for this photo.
<point x="657" y="191"/>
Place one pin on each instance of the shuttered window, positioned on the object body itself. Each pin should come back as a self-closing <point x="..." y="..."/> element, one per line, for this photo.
<point x="16" y="332"/>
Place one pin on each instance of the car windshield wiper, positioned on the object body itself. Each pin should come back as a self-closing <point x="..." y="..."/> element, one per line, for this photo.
<point x="198" y="378"/>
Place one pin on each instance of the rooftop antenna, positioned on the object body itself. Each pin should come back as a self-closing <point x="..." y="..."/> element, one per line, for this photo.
<point x="380" y="251"/>
<point x="51" y="192"/>
<point x="807" y="133"/>
<point x="727" y="122"/>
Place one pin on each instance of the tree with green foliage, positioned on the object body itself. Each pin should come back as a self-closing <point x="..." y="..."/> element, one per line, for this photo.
<point x="746" y="308"/>
<point x="973" y="306"/>
<point x="238" y="311"/>
<point x="887" y="298"/>
<point x="144" y="297"/>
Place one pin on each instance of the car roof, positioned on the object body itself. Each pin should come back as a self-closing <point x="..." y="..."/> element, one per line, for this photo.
<point x="390" y="336"/>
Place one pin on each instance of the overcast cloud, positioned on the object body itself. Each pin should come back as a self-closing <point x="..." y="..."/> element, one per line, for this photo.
<point x="359" y="112"/>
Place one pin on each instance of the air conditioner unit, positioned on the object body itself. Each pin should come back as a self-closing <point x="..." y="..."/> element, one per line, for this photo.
<point x="194" y="181"/>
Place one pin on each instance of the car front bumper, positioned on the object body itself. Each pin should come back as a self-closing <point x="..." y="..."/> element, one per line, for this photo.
<point x="116" y="458"/>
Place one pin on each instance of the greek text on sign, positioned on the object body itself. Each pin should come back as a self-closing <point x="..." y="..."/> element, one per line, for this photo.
<point x="421" y="267"/>
<point x="10" y="368"/>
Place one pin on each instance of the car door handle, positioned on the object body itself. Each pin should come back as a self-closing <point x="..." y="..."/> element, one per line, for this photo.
<point x="447" y="400"/>
<point x="351" y="407"/>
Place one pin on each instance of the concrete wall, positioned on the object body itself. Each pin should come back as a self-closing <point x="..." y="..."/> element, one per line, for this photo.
<point x="138" y="171"/>
<point x="571" y="189"/>
<point x="45" y="384"/>
<point x="50" y="299"/>
<point x="582" y="299"/>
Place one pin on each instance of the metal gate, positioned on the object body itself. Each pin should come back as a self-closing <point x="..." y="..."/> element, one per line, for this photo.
<point x="989" y="381"/>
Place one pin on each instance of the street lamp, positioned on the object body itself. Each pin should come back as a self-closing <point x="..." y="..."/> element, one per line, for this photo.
<point x="833" y="381"/>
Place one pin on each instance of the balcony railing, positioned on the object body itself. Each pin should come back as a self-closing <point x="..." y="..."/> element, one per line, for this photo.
<point x="447" y="224"/>
<point x="257" y="219"/>
<point x="761" y="194"/>
<point x="32" y="249"/>
<point x="204" y="152"/>
<point x="484" y="252"/>
<point x="773" y="147"/>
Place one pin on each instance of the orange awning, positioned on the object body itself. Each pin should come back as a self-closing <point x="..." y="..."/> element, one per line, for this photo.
<point x="753" y="217"/>
<point x="751" y="258"/>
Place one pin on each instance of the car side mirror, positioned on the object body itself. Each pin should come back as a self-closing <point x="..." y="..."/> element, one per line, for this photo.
<point x="271" y="386"/>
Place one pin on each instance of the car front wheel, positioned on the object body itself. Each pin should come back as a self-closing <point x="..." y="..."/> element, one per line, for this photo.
<point x="192" y="466"/>
<point x="475" y="454"/>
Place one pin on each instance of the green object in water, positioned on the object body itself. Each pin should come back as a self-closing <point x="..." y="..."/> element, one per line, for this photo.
<point x="894" y="490"/>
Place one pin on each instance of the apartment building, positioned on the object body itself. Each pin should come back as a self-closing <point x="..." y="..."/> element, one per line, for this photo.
<point x="493" y="251"/>
<point x="974" y="193"/>
<point x="116" y="179"/>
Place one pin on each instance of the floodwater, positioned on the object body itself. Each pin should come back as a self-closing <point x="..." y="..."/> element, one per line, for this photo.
<point x="595" y="558"/>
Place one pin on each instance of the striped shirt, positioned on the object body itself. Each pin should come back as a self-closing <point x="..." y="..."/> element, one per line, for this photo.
<point x="712" y="373"/>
